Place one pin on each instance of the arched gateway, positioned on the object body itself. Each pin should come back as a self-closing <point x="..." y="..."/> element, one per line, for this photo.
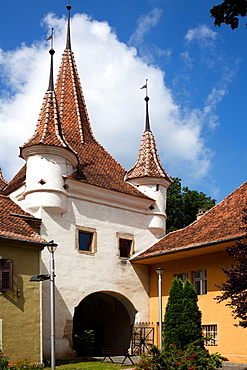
<point x="110" y="315"/>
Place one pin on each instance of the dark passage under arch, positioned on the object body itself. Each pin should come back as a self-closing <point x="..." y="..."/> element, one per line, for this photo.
<point x="107" y="317"/>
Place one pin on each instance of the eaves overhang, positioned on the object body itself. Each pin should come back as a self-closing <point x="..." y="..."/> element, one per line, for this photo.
<point x="187" y="251"/>
<point x="108" y="197"/>
<point x="23" y="242"/>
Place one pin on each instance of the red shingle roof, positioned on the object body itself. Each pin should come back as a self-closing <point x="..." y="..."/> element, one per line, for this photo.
<point x="148" y="163"/>
<point x="17" y="181"/>
<point x="48" y="129"/>
<point x="15" y="227"/>
<point x="222" y="222"/>
<point x="3" y="183"/>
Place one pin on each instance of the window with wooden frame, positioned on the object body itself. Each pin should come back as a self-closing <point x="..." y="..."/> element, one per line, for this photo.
<point x="6" y="275"/>
<point x="86" y="240"/>
<point x="125" y="245"/>
<point x="200" y="281"/>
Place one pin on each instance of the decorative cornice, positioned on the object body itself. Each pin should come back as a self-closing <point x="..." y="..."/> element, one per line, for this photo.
<point x="52" y="150"/>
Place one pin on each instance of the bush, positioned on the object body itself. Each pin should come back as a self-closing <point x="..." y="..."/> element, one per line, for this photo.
<point x="84" y="343"/>
<point x="24" y="364"/>
<point x="194" y="357"/>
<point x="3" y="361"/>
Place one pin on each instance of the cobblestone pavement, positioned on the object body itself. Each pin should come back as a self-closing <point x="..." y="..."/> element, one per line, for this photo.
<point x="233" y="366"/>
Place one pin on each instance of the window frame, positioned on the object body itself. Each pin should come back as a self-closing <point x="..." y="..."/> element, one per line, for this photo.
<point x="9" y="270"/>
<point x="202" y="282"/>
<point x="211" y="331"/>
<point x="125" y="236"/>
<point x="93" y="245"/>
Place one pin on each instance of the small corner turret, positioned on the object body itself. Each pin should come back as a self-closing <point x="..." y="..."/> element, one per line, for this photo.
<point x="149" y="176"/>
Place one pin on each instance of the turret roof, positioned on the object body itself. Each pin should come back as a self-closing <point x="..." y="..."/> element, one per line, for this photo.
<point x="148" y="163"/>
<point x="48" y="129"/>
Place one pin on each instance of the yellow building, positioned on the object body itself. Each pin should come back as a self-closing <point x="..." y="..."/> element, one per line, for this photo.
<point x="196" y="252"/>
<point x="20" y="303"/>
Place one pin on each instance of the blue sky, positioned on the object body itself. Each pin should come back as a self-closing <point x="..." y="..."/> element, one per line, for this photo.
<point x="196" y="75"/>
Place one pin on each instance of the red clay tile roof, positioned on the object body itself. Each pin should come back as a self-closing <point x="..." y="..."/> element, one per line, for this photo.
<point x="48" y="129"/>
<point x="222" y="222"/>
<point x="148" y="163"/>
<point x="96" y="166"/>
<point x="15" y="227"/>
<point x="17" y="181"/>
<point x="3" y="183"/>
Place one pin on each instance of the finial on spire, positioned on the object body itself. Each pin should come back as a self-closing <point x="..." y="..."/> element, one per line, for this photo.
<point x="147" y="127"/>
<point x="68" y="43"/>
<point x="52" y="52"/>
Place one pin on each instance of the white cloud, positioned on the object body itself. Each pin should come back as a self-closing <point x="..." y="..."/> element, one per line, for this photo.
<point x="111" y="75"/>
<point x="145" y="23"/>
<point x="202" y="34"/>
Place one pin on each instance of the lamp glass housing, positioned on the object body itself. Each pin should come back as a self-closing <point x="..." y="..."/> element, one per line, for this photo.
<point x="52" y="247"/>
<point x="160" y="270"/>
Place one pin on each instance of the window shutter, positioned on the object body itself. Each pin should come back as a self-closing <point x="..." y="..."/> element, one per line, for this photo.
<point x="6" y="275"/>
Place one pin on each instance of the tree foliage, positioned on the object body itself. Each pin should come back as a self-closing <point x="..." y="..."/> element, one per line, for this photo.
<point x="183" y="205"/>
<point x="173" y="321"/>
<point x="235" y="288"/>
<point x="228" y="12"/>
<point x="182" y="323"/>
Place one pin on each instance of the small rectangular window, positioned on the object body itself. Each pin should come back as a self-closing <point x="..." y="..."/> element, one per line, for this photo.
<point x="86" y="240"/>
<point x="125" y="245"/>
<point x="6" y="275"/>
<point x="124" y="248"/>
<point x="183" y="276"/>
<point x="210" y="331"/>
<point x="200" y="281"/>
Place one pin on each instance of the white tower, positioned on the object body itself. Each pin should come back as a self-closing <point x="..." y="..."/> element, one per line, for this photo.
<point x="48" y="158"/>
<point x="149" y="176"/>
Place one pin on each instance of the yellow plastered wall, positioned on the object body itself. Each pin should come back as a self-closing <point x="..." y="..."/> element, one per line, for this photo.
<point x="231" y="339"/>
<point x="20" y="309"/>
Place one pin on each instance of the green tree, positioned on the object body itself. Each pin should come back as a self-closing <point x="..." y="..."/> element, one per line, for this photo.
<point x="183" y="205"/>
<point x="182" y="322"/>
<point x="191" y="328"/>
<point x="172" y="321"/>
<point x="228" y="12"/>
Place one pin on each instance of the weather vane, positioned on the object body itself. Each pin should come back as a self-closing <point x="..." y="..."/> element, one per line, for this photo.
<point x="51" y="37"/>
<point x="145" y="87"/>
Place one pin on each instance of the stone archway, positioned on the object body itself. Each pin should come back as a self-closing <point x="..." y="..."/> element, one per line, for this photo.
<point x="111" y="317"/>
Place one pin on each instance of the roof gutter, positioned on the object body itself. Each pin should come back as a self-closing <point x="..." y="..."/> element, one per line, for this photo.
<point x="23" y="240"/>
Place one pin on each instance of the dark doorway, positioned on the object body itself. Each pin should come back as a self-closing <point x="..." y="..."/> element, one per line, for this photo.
<point x="107" y="317"/>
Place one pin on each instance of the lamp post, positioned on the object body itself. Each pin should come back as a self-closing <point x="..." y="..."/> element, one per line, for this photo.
<point x="51" y="246"/>
<point x="159" y="272"/>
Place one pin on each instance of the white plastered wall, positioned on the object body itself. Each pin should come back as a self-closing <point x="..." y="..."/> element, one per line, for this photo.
<point x="78" y="274"/>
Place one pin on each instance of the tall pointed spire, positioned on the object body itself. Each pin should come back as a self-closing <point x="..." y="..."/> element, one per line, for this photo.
<point x="148" y="163"/>
<point x="147" y="127"/>
<point x="51" y="81"/>
<point x="48" y="130"/>
<point x="68" y="43"/>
